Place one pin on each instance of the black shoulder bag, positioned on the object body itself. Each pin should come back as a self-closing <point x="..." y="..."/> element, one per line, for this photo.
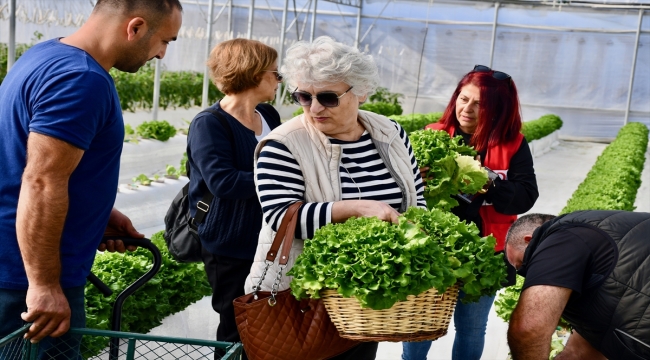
<point x="181" y="231"/>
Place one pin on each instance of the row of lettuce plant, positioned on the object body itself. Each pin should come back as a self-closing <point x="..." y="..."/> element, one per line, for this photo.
<point x="614" y="180"/>
<point x="542" y="127"/>
<point x="611" y="184"/>
<point x="416" y="121"/>
<point x="177" y="88"/>
<point x="532" y="130"/>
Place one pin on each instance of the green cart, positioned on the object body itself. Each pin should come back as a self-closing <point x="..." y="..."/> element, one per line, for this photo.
<point x="131" y="346"/>
<point x="117" y="345"/>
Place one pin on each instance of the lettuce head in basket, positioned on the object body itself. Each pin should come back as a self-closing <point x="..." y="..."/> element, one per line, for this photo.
<point x="380" y="263"/>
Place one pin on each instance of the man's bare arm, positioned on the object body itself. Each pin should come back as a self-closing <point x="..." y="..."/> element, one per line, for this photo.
<point x="42" y="209"/>
<point x="534" y="320"/>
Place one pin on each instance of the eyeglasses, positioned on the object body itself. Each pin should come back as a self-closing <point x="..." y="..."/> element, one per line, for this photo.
<point x="499" y="75"/>
<point x="325" y="98"/>
<point x="278" y="76"/>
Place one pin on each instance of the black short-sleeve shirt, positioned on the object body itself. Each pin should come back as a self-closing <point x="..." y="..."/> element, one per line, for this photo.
<point x="577" y="257"/>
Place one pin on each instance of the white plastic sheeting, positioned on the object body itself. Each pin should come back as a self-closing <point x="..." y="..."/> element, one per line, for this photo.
<point x="574" y="61"/>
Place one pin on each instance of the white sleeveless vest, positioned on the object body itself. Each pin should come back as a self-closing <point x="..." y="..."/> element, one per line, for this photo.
<point x="319" y="162"/>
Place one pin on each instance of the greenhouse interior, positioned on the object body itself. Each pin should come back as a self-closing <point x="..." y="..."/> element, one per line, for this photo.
<point x="584" y="62"/>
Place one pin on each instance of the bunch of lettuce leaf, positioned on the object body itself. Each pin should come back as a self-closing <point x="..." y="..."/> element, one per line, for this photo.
<point x="452" y="167"/>
<point x="380" y="263"/>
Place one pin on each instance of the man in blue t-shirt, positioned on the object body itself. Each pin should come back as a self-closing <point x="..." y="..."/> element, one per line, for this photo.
<point x="62" y="133"/>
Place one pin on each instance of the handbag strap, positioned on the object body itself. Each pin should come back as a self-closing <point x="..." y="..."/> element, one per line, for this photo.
<point x="203" y="206"/>
<point x="285" y="235"/>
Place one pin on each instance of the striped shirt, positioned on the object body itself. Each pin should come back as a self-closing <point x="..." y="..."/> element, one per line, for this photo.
<point x="364" y="176"/>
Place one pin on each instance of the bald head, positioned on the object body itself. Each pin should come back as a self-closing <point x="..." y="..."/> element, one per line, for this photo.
<point x="525" y="225"/>
<point x="153" y="11"/>
<point x="520" y="234"/>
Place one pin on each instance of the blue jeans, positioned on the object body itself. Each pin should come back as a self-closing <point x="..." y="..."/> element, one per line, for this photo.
<point x="470" y="321"/>
<point x="12" y="304"/>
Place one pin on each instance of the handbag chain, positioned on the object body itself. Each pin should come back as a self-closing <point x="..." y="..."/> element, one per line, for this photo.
<point x="288" y="239"/>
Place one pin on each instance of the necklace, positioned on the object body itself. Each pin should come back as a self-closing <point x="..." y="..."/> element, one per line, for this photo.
<point x="351" y="178"/>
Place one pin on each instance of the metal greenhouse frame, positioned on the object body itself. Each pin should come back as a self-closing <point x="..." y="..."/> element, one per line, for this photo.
<point x="431" y="33"/>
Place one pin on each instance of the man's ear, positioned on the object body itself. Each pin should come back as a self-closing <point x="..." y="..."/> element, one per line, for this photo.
<point x="527" y="238"/>
<point x="136" y="28"/>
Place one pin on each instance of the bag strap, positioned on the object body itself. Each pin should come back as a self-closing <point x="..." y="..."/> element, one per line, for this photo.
<point x="203" y="206"/>
<point x="285" y="235"/>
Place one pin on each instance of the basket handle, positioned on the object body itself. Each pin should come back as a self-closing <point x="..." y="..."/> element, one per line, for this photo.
<point x="285" y="235"/>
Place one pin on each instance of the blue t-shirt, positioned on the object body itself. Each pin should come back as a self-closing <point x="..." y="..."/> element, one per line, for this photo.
<point x="60" y="91"/>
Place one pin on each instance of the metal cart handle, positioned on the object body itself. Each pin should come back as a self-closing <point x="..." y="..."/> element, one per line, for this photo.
<point x="116" y="323"/>
<point x="128" y="241"/>
<point x="119" y="301"/>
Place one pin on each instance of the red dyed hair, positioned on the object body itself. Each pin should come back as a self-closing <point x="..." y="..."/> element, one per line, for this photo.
<point x="499" y="118"/>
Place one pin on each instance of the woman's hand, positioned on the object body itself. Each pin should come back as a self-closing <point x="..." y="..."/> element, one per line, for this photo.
<point x="345" y="209"/>
<point x="423" y="174"/>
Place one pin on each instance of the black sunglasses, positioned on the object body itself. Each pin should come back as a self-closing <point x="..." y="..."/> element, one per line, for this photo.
<point x="325" y="98"/>
<point x="278" y="76"/>
<point x="499" y="75"/>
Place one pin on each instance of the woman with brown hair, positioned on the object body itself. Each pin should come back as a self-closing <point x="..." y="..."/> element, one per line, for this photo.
<point x="220" y="147"/>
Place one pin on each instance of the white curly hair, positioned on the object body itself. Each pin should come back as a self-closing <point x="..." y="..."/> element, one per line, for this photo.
<point x="327" y="61"/>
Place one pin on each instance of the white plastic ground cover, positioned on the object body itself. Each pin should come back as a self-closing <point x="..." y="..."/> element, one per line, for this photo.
<point x="146" y="206"/>
<point x="150" y="157"/>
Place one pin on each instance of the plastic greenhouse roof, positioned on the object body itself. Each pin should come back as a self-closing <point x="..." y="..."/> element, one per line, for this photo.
<point x="581" y="3"/>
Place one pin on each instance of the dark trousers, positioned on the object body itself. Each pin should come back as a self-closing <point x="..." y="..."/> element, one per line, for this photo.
<point x="363" y="351"/>
<point x="227" y="277"/>
<point x="13" y="303"/>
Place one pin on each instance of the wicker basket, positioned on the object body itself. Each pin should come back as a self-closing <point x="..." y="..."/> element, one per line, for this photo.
<point x="422" y="317"/>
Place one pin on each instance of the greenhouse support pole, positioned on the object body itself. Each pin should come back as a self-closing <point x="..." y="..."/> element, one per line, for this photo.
<point x="251" y="12"/>
<point x="156" y="90"/>
<point x="11" y="56"/>
<point x="358" y="35"/>
<point x="636" y="51"/>
<point x="278" y="95"/>
<point x="313" y="22"/>
<point x="494" y="32"/>
<point x="230" y="19"/>
<point x="206" y="75"/>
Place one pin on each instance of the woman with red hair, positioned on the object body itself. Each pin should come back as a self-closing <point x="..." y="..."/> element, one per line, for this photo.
<point x="485" y="111"/>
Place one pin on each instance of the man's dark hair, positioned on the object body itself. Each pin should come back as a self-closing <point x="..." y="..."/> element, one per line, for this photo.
<point x="525" y="225"/>
<point x="151" y="10"/>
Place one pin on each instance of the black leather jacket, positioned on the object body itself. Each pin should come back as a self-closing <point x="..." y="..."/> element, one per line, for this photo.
<point x="616" y="320"/>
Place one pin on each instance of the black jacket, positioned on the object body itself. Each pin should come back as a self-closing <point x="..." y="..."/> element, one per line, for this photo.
<point x="232" y="225"/>
<point x="616" y="320"/>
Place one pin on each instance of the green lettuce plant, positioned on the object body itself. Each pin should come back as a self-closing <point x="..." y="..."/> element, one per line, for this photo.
<point x="452" y="168"/>
<point x="154" y="129"/>
<point x="382" y="108"/>
<point x="380" y="263"/>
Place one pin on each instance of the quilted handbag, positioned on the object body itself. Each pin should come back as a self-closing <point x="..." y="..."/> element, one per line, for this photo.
<point x="274" y="325"/>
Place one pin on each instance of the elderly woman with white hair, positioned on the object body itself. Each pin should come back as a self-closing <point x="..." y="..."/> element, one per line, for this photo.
<point x="340" y="161"/>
